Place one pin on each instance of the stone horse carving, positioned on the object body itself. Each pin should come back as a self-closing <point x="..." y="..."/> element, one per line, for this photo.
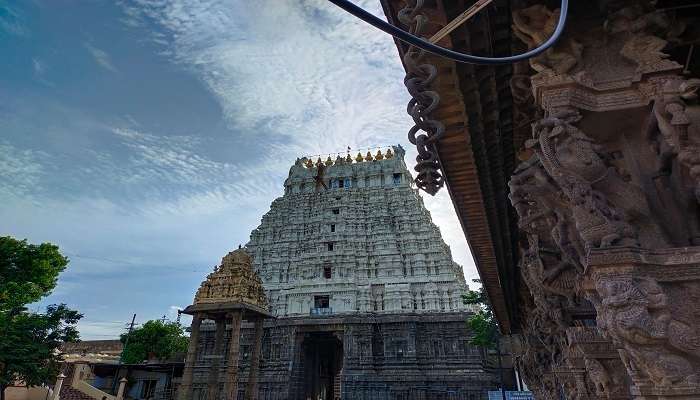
<point x="599" y="199"/>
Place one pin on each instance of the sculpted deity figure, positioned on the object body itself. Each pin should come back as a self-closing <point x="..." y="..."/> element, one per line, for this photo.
<point x="635" y="313"/>
<point x="543" y="211"/>
<point x="603" y="205"/>
<point x="575" y="162"/>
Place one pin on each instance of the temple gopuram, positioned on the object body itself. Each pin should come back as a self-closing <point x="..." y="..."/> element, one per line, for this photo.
<point x="361" y="301"/>
<point x="576" y="177"/>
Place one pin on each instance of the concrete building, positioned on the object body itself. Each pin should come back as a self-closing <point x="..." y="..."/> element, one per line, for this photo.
<point x="365" y="291"/>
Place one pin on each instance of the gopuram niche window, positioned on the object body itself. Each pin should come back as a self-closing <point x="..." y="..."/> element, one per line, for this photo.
<point x="397" y="178"/>
<point x="321" y="301"/>
<point x="332" y="227"/>
<point x="327" y="272"/>
<point x="329" y="246"/>
<point x="336" y="211"/>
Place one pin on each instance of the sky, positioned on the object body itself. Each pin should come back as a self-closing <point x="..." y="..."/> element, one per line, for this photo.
<point x="146" y="138"/>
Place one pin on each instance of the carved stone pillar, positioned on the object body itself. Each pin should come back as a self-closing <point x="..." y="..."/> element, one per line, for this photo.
<point x="213" y="383"/>
<point x="598" y="358"/>
<point x="185" y="390"/>
<point x="231" y="387"/>
<point x="251" y="391"/>
<point x="647" y="304"/>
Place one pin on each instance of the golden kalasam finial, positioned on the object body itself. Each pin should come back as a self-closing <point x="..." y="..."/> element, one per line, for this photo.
<point x="348" y="159"/>
<point x="359" y="157"/>
<point x="379" y="155"/>
<point x="309" y="163"/>
<point x="339" y="160"/>
<point x="368" y="157"/>
<point x="319" y="162"/>
<point x="329" y="162"/>
<point x="389" y="154"/>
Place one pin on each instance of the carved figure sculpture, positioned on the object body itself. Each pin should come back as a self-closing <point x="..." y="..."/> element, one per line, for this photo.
<point x="534" y="25"/>
<point x="543" y="210"/>
<point x="635" y="313"/>
<point x="672" y="120"/>
<point x="576" y="164"/>
<point x="648" y="32"/>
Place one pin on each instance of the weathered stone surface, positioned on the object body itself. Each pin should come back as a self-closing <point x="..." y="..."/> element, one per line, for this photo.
<point x="234" y="281"/>
<point x="608" y="203"/>
<point x="366" y="241"/>
<point x="385" y="357"/>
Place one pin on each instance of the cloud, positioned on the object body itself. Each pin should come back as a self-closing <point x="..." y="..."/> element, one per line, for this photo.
<point x="132" y="204"/>
<point x="179" y="178"/>
<point x="38" y="66"/>
<point x="20" y="170"/>
<point x="101" y="57"/>
<point x="172" y="313"/>
<point x="303" y="74"/>
<point x="11" y="20"/>
<point x="100" y="330"/>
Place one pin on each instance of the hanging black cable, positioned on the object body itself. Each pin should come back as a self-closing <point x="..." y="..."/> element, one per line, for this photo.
<point x="407" y="37"/>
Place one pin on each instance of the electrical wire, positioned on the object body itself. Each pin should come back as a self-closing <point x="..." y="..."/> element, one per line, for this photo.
<point x="414" y="40"/>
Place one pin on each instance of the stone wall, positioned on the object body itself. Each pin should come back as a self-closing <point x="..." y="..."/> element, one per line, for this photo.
<point x="389" y="356"/>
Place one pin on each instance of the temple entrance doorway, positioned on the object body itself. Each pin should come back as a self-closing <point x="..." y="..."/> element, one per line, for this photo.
<point x="323" y="361"/>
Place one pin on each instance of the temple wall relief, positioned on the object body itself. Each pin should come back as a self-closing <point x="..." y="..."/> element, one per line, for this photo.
<point x="607" y="200"/>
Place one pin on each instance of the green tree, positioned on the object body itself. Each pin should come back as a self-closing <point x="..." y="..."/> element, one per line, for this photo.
<point x="29" y="341"/>
<point x="155" y="338"/>
<point x="482" y="322"/>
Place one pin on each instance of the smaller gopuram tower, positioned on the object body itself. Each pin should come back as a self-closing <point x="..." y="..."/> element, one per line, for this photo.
<point x="229" y="295"/>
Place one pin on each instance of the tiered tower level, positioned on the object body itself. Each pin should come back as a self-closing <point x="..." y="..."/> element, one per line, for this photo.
<point x="352" y="235"/>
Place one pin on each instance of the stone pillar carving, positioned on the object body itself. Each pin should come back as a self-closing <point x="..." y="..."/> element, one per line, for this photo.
<point x="611" y="173"/>
<point x="647" y="304"/>
<point x="185" y="390"/>
<point x="598" y="359"/>
<point x="231" y="385"/>
<point x="213" y="382"/>
<point x="251" y="391"/>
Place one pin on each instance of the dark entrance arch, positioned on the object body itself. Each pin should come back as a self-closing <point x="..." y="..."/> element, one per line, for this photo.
<point x="322" y="360"/>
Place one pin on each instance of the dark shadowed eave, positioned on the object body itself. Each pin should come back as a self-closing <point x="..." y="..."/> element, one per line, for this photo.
<point x="476" y="152"/>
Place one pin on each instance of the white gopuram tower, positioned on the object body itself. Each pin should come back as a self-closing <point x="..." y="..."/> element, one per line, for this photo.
<point x="353" y="236"/>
